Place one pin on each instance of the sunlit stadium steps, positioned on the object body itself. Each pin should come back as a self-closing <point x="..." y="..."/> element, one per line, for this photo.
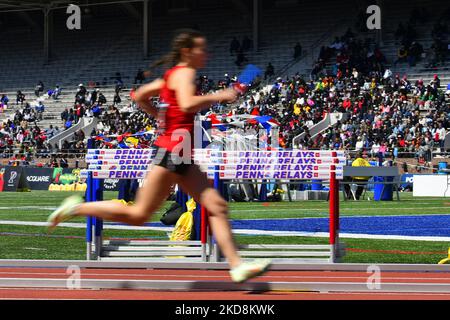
<point x="82" y="64"/>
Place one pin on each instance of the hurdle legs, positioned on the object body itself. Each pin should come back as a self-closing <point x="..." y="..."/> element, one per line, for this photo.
<point x="203" y="234"/>
<point x="89" y="222"/>
<point x="334" y="215"/>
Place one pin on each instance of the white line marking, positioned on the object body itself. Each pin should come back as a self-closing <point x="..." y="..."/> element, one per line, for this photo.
<point x="29" y="207"/>
<point x="82" y="225"/>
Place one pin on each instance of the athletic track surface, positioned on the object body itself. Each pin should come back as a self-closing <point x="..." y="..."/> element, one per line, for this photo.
<point x="217" y="275"/>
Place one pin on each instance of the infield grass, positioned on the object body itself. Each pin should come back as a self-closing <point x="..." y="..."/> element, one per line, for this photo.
<point x="31" y="242"/>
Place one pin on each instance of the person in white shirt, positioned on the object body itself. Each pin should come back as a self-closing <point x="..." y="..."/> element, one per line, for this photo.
<point x="387" y="75"/>
<point x="359" y="144"/>
<point x="442" y="133"/>
<point x="375" y="149"/>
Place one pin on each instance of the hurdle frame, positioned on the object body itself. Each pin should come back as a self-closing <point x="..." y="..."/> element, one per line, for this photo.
<point x="334" y="246"/>
<point x="94" y="229"/>
<point x="94" y="226"/>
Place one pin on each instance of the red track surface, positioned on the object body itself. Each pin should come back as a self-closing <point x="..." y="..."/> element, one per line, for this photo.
<point x="206" y="275"/>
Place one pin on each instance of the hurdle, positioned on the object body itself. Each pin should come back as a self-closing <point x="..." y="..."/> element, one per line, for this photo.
<point x="219" y="166"/>
<point x="126" y="164"/>
<point x="281" y="164"/>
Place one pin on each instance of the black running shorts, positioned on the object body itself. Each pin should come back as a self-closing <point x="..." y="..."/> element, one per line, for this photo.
<point x="163" y="158"/>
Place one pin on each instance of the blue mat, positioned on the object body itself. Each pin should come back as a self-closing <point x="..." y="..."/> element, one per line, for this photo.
<point x="430" y="225"/>
<point x="424" y="225"/>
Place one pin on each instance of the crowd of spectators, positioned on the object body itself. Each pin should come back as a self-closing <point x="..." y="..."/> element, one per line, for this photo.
<point x="22" y="138"/>
<point x="383" y="112"/>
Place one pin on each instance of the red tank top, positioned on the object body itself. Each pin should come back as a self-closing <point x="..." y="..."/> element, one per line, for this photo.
<point x="174" y="118"/>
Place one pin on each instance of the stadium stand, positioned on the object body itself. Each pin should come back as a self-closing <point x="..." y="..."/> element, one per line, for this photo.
<point x="109" y="48"/>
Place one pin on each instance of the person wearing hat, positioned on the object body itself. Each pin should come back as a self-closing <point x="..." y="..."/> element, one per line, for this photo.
<point x="81" y="90"/>
<point x="359" y="181"/>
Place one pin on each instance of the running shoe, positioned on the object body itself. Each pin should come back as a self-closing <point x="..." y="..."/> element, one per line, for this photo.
<point x="249" y="270"/>
<point x="64" y="211"/>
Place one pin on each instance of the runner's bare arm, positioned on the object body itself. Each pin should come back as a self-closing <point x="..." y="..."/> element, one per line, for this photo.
<point x="185" y="92"/>
<point x="145" y="92"/>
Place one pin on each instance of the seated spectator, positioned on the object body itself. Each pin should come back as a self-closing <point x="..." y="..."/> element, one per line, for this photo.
<point x="436" y="82"/>
<point x="39" y="88"/>
<point x="117" y="100"/>
<point x="402" y="55"/>
<point x="50" y="132"/>
<point x="96" y="110"/>
<point x="4" y="100"/>
<point x="94" y="96"/>
<point x="101" y="98"/>
<point x="64" y="115"/>
<point x="56" y="93"/>
<point x="40" y="108"/>
<point x="20" y="97"/>
<point x="359" y="181"/>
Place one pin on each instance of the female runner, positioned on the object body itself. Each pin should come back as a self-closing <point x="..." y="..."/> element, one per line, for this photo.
<point x="177" y="92"/>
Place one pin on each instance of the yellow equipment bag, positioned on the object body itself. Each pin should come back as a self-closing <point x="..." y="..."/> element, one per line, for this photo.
<point x="443" y="261"/>
<point x="183" y="227"/>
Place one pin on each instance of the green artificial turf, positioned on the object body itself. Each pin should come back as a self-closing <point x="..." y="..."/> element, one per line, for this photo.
<point x="33" y="242"/>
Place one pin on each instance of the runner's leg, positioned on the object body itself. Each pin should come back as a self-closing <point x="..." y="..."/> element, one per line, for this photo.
<point x="196" y="184"/>
<point x="149" y="198"/>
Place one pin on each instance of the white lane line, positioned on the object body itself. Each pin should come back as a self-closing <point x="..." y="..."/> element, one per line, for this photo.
<point x="28" y="207"/>
<point x="341" y="235"/>
<point x="82" y="225"/>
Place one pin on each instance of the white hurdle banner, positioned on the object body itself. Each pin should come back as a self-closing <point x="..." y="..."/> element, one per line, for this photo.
<point x="295" y="165"/>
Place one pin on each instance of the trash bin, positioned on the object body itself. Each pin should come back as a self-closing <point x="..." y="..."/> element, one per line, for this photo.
<point x="316" y="185"/>
<point x="380" y="193"/>
<point x="441" y="166"/>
